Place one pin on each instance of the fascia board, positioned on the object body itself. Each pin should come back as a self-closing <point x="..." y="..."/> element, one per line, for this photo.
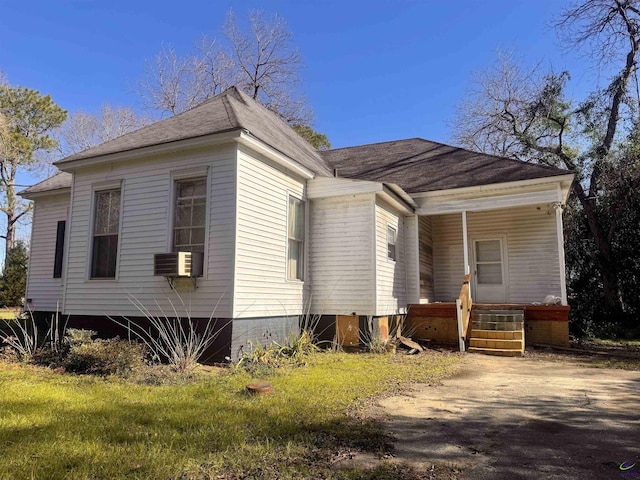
<point x="139" y="153"/>
<point x="496" y="187"/>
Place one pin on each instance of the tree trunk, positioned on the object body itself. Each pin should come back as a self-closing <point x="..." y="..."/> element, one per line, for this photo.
<point x="604" y="257"/>
<point x="10" y="209"/>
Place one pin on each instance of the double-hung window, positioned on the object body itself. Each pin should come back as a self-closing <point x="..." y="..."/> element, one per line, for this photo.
<point x="106" y="226"/>
<point x="190" y="215"/>
<point x="295" y="248"/>
<point x="392" y="236"/>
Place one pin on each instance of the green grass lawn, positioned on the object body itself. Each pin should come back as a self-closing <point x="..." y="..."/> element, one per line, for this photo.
<point x="80" y="427"/>
<point x="10" y="313"/>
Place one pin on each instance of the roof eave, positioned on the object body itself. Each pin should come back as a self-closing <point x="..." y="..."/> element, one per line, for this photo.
<point x="44" y="193"/>
<point x="564" y="179"/>
<point x="218" y="138"/>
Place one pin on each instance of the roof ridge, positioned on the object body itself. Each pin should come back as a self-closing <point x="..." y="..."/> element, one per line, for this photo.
<point x="377" y="143"/>
<point x="231" y="114"/>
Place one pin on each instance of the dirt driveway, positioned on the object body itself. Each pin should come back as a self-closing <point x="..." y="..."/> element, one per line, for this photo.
<point x="521" y="418"/>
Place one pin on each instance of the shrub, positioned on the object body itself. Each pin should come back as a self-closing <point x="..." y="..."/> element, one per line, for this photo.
<point x="296" y="351"/>
<point x="101" y="357"/>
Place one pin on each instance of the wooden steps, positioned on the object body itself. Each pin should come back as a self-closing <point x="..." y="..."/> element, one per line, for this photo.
<point x="497" y="332"/>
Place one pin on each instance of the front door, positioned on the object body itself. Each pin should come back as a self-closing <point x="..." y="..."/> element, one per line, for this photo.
<point x="489" y="269"/>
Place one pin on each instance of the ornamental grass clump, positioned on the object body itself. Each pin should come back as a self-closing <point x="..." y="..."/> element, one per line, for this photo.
<point x="23" y="337"/>
<point x="173" y="338"/>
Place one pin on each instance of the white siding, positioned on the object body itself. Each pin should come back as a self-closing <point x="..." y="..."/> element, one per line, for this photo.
<point x="448" y="263"/>
<point x="342" y="255"/>
<point x="532" y="251"/>
<point x="411" y="257"/>
<point x="261" y="285"/>
<point x="324" y="187"/>
<point x="391" y="295"/>
<point x="426" y="258"/>
<point x="45" y="291"/>
<point x="145" y="225"/>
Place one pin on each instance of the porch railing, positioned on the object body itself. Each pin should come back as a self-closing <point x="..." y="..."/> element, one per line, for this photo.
<point x="463" y="312"/>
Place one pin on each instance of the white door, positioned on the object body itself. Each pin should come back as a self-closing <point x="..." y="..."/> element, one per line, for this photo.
<point x="489" y="270"/>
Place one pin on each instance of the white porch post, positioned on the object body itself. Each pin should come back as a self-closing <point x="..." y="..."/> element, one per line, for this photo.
<point x="560" y="234"/>
<point x="467" y="270"/>
<point x="465" y="243"/>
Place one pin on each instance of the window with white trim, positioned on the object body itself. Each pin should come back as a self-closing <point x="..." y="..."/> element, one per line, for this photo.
<point x="392" y="236"/>
<point x="295" y="248"/>
<point x="190" y="215"/>
<point x="106" y="225"/>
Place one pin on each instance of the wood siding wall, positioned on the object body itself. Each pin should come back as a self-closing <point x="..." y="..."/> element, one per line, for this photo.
<point x="391" y="277"/>
<point x="45" y="291"/>
<point x="261" y="285"/>
<point x="532" y="251"/>
<point x="411" y="258"/>
<point x="342" y="255"/>
<point x="425" y="226"/>
<point x="145" y="229"/>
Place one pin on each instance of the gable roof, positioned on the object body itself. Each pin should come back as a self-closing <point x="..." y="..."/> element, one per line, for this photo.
<point x="59" y="181"/>
<point x="228" y="111"/>
<point x="419" y="165"/>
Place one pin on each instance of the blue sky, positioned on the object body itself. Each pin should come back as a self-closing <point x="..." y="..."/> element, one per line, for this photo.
<point x="373" y="71"/>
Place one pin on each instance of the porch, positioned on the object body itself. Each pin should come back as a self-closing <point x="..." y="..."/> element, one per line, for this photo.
<point x="501" y="329"/>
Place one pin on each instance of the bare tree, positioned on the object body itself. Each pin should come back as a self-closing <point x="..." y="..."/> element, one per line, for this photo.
<point x="268" y="64"/>
<point x="259" y="59"/>
<point x="524" y="114"/>
<point x="84" y="130"/>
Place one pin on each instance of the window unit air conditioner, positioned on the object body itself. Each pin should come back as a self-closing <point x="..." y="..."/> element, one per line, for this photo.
<point x="178" y="264"/>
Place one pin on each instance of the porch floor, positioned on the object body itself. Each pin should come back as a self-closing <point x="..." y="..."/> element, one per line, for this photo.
<point x="436" y="322"/>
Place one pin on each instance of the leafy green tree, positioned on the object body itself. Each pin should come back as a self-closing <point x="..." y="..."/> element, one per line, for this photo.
<point x="30" y="118"/>
<point x="318" y="140"/>
<point x="13" y="281"/>
<point x="526" y="114"/>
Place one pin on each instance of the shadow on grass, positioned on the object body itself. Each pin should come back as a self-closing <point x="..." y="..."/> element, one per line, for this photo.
<point x="542" y="434"/>
<point x="158" y="437"/>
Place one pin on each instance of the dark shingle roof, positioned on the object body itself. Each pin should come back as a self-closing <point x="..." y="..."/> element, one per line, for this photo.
<point x="59" y="181"/>
<point x="230" y="110"/>
<point x="419" y="165"/>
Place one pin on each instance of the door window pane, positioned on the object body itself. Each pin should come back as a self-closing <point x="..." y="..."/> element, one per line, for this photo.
<point x="490" y="273"/>
<point x="489" y="262"/>
<point x="488" y="251"/>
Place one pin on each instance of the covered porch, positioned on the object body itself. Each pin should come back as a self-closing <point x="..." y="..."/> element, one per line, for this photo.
<point x="484" y="260"/>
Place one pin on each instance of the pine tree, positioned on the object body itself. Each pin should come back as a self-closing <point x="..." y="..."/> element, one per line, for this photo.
<point x="13" y="281"/>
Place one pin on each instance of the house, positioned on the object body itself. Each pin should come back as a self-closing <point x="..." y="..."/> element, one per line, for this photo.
<point x="285" y="230"/>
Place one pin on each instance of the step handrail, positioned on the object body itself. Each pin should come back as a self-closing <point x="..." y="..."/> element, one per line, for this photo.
<point x="464" y="303"/>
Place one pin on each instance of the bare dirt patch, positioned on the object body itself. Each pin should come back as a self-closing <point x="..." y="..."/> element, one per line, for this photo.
<point x="519" y="418"/>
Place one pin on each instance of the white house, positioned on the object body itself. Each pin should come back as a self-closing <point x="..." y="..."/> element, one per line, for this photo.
<point x="284" y="229"/>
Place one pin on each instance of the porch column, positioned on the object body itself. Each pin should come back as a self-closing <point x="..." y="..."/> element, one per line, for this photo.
<point x="558" y="207"/>
<point x="465" y="243"/>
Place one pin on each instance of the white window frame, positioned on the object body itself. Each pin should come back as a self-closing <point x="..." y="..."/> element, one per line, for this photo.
<point x="95" y="189"/>
<point x="305" y="242"/>
<point x="393" y="228"/>
<point x="188" y="174"/>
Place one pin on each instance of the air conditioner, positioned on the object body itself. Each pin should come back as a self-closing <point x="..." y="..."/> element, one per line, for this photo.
<point x="178" y="264"/>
